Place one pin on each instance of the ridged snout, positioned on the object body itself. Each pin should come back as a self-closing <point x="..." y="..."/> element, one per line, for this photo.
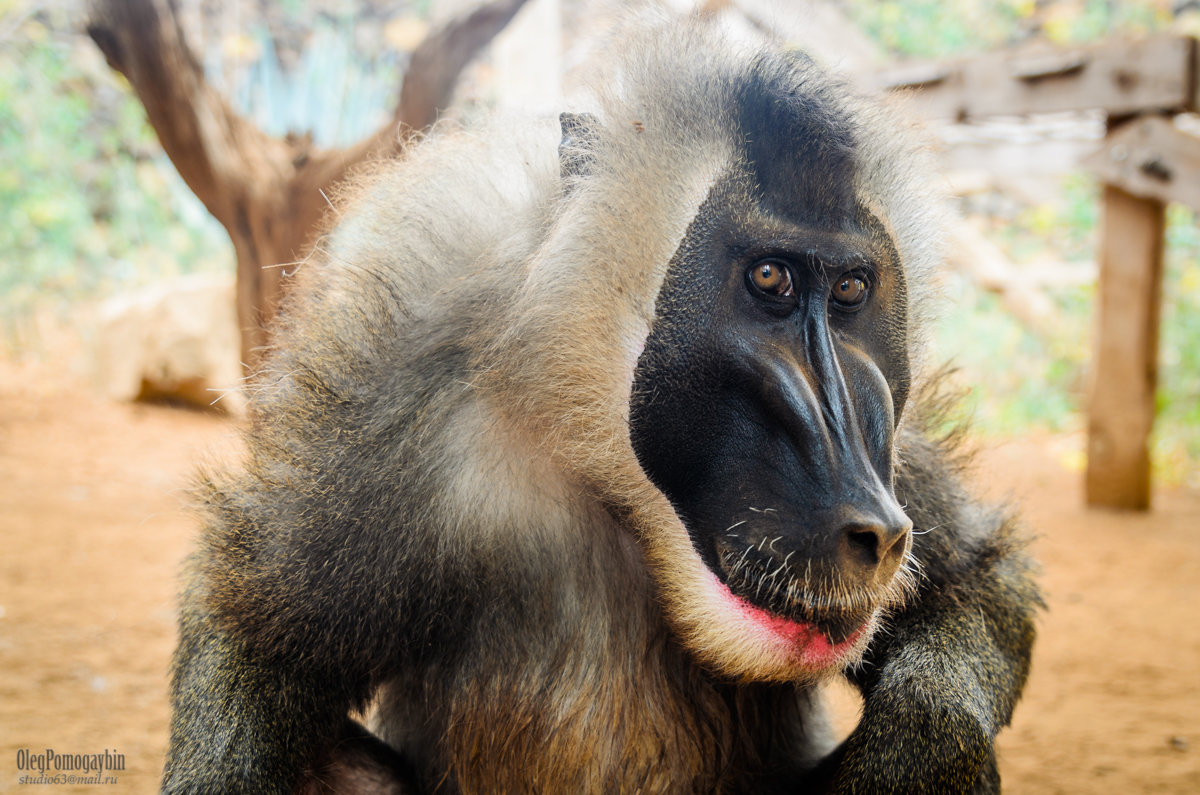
<point x="839" y="430"/>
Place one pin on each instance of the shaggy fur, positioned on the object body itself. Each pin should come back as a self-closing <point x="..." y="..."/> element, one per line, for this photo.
<point x="440" y="509"/>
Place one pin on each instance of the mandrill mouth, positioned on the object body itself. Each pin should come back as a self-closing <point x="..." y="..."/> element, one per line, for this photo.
<point x="805" y="603"/>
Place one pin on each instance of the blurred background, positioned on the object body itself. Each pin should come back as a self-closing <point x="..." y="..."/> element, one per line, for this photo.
<point x="91" y="208"/>
<point x="117" y="311"/>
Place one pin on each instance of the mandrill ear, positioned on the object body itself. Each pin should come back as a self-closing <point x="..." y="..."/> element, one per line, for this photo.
<point x="575" y="155"/>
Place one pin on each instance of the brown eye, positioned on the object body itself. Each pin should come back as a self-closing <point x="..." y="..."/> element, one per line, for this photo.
<point x="849" y="290"/>
<point x="771" y="277"/>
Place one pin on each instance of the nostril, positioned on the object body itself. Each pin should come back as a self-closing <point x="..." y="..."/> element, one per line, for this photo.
<point x="894" y="548"/>
<point x="874" y="550"/>
<point x="863" y="545"/>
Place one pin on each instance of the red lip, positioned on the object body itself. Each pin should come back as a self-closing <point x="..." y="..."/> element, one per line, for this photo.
<point x="801" y="638"/>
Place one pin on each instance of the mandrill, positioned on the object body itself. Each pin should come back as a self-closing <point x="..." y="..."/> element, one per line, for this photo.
<point x="587" y="451"/>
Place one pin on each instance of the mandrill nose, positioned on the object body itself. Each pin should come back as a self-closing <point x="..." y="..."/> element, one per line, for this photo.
<point x="872" y="548"/>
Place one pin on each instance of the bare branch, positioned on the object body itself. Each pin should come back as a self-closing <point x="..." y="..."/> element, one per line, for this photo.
<point x="440" y="59"/>
<point x="267" y="192"/>
<point x="199" y="131"/>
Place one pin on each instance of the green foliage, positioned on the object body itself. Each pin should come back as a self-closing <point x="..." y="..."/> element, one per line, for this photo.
<point x="1066" y="227"/>
<point x="1177" y="434"/>
<point x="1040" y="382"/>
<point x="1017" y="380"/>
<point x="933" y="28"/>
<point x="90" y="206"/>
<point x="937" y="28"/>
<point x="1040" y="379"/>
<point x="88" y="203"/>
<point x="1094" y="19"/>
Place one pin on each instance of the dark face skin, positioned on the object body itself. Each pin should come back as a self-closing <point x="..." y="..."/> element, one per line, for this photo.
<point x="765" y="401"/>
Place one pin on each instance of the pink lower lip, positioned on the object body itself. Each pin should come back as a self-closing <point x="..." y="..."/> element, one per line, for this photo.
<point x="802" y="638"/>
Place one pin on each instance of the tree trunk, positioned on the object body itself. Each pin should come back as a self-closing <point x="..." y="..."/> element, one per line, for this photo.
<point x="268" y="193"/>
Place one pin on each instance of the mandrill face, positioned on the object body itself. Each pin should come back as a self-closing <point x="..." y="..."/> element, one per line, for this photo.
<point x="765" y="401"/>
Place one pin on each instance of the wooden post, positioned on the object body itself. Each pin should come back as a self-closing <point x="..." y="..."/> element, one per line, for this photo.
<point x="1125" y="370"/>
<point x="1144" y="163"/>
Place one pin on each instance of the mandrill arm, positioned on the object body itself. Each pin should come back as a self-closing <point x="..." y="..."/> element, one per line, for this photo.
<point x="943" y="676"/>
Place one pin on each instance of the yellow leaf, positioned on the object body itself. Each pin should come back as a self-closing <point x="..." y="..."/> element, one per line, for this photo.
<point x="405" y="33"/>
<point x="240" y="47"/>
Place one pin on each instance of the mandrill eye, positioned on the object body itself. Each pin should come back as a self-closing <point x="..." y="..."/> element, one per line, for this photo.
<point x="771" y="278"/>
<point x="849" y="291"/>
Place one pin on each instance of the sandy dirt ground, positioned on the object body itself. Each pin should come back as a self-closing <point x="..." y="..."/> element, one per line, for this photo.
<point x="93" y="526"/>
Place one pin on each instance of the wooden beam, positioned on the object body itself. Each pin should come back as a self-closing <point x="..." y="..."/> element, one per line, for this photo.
<point x="1125" y="367"/>
<point x="1122" y="78"/>
<point x="1151" y="158"/>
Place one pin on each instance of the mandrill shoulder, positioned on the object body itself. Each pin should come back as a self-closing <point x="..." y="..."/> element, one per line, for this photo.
<point x="956" y="530"/>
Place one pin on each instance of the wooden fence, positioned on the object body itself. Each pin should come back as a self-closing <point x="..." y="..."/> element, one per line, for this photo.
<point x="1145" y="162"/>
